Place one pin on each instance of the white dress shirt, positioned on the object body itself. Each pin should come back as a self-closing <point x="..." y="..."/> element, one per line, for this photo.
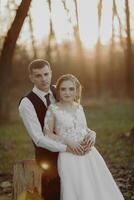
<point x="32" y="124"/>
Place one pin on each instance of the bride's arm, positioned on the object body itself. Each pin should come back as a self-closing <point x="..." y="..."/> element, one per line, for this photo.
<point x="90" y="133"/>
<point x="49" y="125"/>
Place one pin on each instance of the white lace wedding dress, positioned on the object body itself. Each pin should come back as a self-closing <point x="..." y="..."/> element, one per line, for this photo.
<point x="82" y="177"/>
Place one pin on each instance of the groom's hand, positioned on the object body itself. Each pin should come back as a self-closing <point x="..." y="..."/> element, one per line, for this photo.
<point x="80" y="148"/>
<point x="76" y="149"/>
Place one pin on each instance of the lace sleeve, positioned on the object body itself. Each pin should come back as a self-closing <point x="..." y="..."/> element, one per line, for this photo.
<point x="90" y="133"/>
<point x="49" y="124"/>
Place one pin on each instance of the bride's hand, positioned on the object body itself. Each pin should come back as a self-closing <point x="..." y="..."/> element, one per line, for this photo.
<point x="87" y="144"/>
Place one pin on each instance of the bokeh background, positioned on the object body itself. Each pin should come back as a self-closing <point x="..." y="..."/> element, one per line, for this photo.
<point x="93" y="40"/>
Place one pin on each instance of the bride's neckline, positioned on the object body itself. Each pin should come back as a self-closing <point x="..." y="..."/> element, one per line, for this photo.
<point x="68" y="107"/>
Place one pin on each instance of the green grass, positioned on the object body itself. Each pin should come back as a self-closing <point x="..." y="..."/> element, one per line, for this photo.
<point x="15" y="145"/>
<point x="109" y="121"/>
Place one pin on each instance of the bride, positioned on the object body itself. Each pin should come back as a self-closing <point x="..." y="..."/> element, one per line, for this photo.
<point x="82" y="177"/>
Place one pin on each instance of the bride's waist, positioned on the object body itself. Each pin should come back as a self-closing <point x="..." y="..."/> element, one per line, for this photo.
<point x="76" y="135"/>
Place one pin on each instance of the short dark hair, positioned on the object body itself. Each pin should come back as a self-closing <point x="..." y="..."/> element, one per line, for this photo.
<point x="38" y="64"/>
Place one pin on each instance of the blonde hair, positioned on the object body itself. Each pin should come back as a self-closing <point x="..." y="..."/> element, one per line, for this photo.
<point x="69" y="77"/>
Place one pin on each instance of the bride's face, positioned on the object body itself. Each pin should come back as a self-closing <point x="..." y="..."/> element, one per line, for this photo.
<point x="67" y="91"/>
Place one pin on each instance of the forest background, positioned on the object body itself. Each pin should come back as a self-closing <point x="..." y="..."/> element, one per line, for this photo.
<point x="94" y="40"/>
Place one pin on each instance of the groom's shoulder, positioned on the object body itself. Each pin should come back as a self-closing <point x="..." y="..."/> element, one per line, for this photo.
<point x="25" y="98"/>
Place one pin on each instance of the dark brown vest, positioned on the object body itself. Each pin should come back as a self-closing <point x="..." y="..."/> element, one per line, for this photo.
<point x="42" y="154"/>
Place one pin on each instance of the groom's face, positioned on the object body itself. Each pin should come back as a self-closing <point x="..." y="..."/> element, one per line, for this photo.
<point x="41" y="78"/>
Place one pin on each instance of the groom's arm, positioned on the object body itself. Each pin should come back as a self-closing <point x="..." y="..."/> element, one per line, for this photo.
<point x="33" y="127"/>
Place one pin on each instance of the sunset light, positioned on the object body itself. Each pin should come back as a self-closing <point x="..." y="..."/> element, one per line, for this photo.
<point x="63" y="21"/>
<point x="88" y="21"/>
<point x="86" y="48"/>
<point x="45" y="166"/>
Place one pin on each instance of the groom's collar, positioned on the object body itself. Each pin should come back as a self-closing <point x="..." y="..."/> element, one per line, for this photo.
<point x="40" y="92"/>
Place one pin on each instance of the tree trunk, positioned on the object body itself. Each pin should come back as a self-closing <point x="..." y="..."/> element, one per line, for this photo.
<point x="6" y="59"/>
<point x="111" y="70"/>
<point x="26" y="177"/>
<point x="52" y="51"/>
<point x="33" y="41"/>
<point x="129" y="54"/>
<point x="76" y="31"/>
<point x="98" y="52"/>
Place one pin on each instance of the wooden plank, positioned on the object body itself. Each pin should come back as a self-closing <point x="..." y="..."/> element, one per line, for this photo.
<point x="26" y="177"/>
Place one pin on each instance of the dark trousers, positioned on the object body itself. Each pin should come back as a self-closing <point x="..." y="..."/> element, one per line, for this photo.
<point x="50" y="179"/>
<point x="50" y="188"/>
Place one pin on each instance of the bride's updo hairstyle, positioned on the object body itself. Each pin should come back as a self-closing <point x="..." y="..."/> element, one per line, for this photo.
<point x="69" y="77"/>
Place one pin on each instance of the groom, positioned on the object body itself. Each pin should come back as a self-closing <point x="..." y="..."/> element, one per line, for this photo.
<point x="32" y="110"/>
